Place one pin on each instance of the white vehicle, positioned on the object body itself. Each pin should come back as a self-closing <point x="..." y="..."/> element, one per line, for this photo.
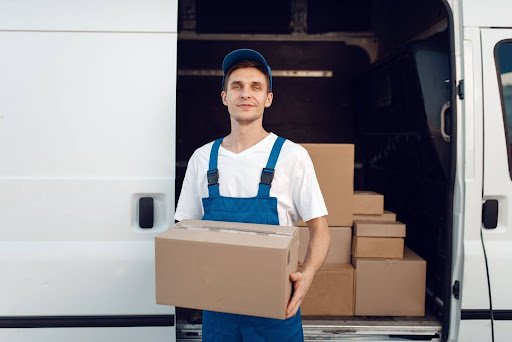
<point x="102" y="103"/>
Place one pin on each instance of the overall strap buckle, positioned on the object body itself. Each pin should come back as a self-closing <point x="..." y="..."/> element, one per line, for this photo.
<point x="213" y="177"/>
<point x="267" y="175"/>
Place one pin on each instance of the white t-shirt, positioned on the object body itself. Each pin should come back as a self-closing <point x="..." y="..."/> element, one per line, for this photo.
<point x="295" y="184"/>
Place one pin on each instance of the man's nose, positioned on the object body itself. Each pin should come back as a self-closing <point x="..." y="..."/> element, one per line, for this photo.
<point x="245" y="93"/>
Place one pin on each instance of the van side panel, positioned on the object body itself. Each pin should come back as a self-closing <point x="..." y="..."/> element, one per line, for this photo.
<point x="87" y="128"/>
<point x="475" y="294"/>
<point x="89" y="15"/>
<point x="491" y="13"/>
<point x="86" y="335"/>
<point x="497" y="236"/>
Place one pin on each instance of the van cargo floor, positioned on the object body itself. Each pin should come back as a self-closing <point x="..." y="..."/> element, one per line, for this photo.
<point x="426" y="328"/>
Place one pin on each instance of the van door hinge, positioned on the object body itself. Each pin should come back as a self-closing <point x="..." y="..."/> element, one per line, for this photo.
<point x="456" y="289"/>
<point x="460" y="89"/>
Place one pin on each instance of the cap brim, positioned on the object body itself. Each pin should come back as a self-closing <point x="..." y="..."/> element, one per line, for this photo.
<point x="242" y="55"/>
<point x="239" y="55"/>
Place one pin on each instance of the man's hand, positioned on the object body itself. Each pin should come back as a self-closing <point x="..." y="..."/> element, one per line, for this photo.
<point x="319" y="240"/>
<point x="301" y="283"/>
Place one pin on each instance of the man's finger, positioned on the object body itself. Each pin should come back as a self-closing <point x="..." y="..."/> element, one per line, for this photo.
<point x="295" y="276"/>
<point x="293" y="307"/>
<point x="294" y="304"/>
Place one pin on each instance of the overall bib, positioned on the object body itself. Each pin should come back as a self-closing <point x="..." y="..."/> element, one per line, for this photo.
<point x="219" y="326"/>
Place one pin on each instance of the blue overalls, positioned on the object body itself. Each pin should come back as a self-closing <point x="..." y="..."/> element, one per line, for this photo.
<point x="223" y="327"/>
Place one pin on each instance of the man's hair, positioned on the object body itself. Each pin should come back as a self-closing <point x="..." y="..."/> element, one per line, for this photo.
<point x="248" y="64"/>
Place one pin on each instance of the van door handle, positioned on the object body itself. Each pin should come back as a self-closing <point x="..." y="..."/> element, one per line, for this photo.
<point x="444" y="109"/>
<point x="490" y="214"/>
<point x="146" y="212"/>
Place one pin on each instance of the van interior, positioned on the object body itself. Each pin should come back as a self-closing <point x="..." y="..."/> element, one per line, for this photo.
<point x="376" y="74"/>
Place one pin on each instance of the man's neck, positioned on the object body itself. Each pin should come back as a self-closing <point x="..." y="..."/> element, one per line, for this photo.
<point x="243" y="137"/>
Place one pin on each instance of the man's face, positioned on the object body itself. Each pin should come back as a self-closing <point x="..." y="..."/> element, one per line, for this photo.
<point x="246" y="95"/>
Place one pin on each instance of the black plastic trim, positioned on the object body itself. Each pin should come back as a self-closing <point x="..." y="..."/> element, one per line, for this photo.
<point x="499" y="315"/>
<point x="146" y="212"/>
<point x="87" y="321"/>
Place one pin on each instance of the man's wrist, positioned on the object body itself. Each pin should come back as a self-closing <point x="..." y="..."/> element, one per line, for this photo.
<point x="308" y="270"/>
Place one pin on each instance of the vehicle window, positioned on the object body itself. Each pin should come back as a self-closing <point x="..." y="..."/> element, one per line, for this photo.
<point x="503" y="54"/>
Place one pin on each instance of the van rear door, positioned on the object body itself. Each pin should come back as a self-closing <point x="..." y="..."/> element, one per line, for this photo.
<point x="497" y="189"/>
<point x="86" y="167"/>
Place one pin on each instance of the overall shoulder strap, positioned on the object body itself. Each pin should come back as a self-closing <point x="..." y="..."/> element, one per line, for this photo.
<point x="212" y="175"/>
<point x="267" y="174"/>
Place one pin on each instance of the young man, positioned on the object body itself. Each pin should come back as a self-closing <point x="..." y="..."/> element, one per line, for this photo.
<point x="254" y="176"/>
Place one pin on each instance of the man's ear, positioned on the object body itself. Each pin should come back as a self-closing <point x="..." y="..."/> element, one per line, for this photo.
<point x="223" y="97"/>
<point x="268" y="101"/>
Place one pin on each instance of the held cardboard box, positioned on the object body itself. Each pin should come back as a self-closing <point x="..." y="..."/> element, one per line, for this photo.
<point x="377" y="247"/>
<point x="388" y="216"/>
<point x="334" y="168"/>
<point x="379" y="229"/>
<point x="228" y="267"/>
<point x="339" y="250"/>
<point x="390" y="287"/>
<point x="331" y="293"/>
<point x="368" y="203"/>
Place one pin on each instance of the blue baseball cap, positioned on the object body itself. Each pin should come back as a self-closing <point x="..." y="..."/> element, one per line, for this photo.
<point x="239" y="55"/>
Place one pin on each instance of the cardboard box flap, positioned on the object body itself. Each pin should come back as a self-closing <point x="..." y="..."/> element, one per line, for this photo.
<point x="387" y="216"/>
<point x="226" y="237"/>
<point x="237" y="226"/>
<point x="379" y="229"/>
<point x="367" y="193"/>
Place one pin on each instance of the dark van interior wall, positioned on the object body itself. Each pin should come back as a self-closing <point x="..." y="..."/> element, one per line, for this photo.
<point x="399" y="21"/>
<point x="304" y="109"/>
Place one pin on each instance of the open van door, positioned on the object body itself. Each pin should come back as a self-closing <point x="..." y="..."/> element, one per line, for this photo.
<point x="87" y="103"/>
<point x="497" y="188"/>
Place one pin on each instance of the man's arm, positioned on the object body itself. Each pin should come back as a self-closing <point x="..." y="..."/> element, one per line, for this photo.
<point x="318" y="247"/>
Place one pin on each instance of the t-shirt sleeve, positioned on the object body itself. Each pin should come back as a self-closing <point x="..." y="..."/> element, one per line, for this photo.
<point x="189" y="203"/>
<point x="307" y="195"/>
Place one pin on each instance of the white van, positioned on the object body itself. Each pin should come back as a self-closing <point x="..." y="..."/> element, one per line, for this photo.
<point x="103" y="102"/>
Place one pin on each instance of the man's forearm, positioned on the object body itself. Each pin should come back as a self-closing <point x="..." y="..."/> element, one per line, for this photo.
<point x="319" y="241"/>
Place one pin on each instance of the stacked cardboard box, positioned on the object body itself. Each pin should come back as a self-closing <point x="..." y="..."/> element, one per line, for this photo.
<point x="226" y="266"/>
<point x="334" y="168"/>
<point x="390" y="287"/>
<point x="378" y="239"/>
<point x="332" y="290"/>
<point x="389" y="280"/>
<point x="374" y="239"/>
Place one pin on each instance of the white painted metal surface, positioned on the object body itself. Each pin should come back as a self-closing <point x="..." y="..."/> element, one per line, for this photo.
<point x="475" y="293"/>
<point x="489" y="13"/>
<point x="89" y="15"/>
<point x="475" y="331"/>
<point x="497" y="181"/>
<point x="87" y="127"/>
<point x="88" y="334"/>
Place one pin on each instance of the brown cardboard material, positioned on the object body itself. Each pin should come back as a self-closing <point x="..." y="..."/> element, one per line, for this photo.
<point x="228" y="267"/>
<point x="340" y="249"/>
<point x="390" y="287"/>
<point x="388" y="216"/>
<point x="331" y="293"/>
<point x="334" y="168"/>
<point x="377" y="247"/>
<point x="379" y="229"/>
<point x="368" y="203"/>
